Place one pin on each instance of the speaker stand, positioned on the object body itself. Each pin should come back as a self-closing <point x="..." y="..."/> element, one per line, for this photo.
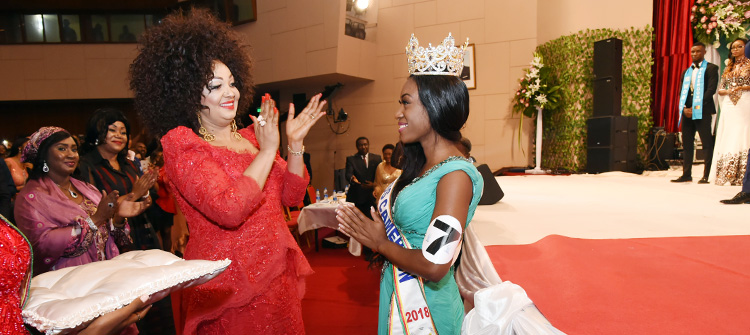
<point x="538" y="168"/>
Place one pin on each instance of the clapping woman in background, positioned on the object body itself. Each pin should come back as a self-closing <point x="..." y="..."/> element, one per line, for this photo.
<point x="68" y="221"/>
<point x="105" y="165"/>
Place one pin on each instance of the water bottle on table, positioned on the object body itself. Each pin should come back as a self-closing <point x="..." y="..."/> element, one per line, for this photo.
<point x="317" y="195"/>
<point x="325" y="194"/>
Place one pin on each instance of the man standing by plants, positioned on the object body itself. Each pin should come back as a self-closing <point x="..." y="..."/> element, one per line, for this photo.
<point x="696" y="107"/>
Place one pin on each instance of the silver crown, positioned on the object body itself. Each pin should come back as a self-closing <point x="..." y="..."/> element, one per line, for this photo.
<point x="446" y="59"/>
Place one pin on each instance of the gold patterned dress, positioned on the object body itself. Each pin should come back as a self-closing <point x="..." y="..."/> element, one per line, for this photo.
<point x="733" y="127"/>
<point x="383" y="179"/>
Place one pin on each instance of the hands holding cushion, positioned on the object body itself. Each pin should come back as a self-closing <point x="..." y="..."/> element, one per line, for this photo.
<point x="114" y="322"/>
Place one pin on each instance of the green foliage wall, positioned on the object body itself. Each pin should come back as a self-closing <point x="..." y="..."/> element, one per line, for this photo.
<point x="571" y="59"/>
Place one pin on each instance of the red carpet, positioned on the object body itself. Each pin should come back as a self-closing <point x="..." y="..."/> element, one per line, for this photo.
<point x="680" y="285"/>
<point x="342" y="294"/>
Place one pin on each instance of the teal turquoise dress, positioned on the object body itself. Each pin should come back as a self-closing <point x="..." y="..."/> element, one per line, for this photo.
<point x="412" y="213"/>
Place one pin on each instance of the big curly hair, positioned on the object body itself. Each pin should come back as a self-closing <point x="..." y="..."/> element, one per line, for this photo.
<point x="174" y="64"/>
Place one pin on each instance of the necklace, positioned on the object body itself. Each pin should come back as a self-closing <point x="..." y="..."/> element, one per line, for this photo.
<point x="70" y="190"/>
<point x="72" y="194"/>
<point x="426" y="173"/>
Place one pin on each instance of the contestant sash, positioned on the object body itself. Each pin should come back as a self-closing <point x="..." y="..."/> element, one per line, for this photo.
<point x="409" y="314"/>
<point x="697" y="105"/>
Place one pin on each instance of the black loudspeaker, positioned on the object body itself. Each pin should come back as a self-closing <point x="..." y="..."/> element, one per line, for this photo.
<point x="660" y="148"/>
<point x="607" y="97"/>
<point x="616" y="131"/>
<point x="612" y="143"/>
<point x="608" y="59"/>
<point x="607" y="159"/>
<point x="492" y="192"/>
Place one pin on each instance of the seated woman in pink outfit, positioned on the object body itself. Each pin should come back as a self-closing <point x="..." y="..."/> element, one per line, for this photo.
<point x="190" y="79"/>
<point x="67" y="221"/>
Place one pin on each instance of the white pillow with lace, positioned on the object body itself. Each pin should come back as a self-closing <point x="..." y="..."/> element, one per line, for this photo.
<point x="68" y="299"/>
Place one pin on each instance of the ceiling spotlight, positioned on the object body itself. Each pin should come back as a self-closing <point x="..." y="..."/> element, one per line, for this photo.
<point x="362" y="5"/>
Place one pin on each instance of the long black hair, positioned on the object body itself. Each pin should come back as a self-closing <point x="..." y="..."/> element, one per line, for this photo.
<point x="732" y="61"/>
<point x="446" y="100"/>
<point x="98" y="126"/>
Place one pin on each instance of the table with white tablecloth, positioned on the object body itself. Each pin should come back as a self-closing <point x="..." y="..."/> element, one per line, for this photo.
<point x="323" y="214"/>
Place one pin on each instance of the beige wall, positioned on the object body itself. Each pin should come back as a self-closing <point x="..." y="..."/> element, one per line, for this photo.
<point x="296" y="39"/>
<point x="557" y="18"/>
<point x="65" y="71"/>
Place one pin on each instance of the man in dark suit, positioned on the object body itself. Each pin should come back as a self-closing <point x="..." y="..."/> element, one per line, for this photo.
<point x="701" y="78"/>
<point x="360" y="172"/>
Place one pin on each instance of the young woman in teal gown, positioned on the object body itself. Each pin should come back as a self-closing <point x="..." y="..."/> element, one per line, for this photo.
<point x="433" y="200"/>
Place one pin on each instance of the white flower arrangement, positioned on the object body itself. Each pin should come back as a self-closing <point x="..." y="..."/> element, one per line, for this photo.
<point x="536" y="89"/>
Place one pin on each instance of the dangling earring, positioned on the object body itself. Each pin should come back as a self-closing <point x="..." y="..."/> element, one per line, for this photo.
<point x="234" y="131"/>
<point x="96" y="142"/>
<point x="45" y="168"/>
<point x="208" y="137"/>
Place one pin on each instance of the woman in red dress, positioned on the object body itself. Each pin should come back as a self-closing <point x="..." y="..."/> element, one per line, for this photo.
<point x="190" y="79"/>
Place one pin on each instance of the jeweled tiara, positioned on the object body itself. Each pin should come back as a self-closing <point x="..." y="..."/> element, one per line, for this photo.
<point x="446" y="59"/>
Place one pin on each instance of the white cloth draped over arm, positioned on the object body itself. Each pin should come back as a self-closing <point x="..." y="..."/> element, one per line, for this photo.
<point x="496" y="307"/>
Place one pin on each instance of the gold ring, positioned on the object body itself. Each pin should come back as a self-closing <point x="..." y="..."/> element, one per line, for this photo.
<point x="312" y="116"/>
<point x="139" y="316"/>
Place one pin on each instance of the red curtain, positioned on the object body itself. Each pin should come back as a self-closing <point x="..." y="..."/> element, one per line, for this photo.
<point x="673" y="37"/>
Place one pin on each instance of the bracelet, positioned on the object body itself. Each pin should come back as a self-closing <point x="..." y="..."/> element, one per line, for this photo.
<point x="148" y="193"/>
<point x="296" y="153"/>
<point x="91" y="224"/>
<point x="119" y="226"/>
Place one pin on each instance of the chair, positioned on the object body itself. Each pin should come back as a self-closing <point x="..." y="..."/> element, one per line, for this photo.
<point x="311" y="193"/>
<point x="309" y="199"/>
<point x="291" y="222"/>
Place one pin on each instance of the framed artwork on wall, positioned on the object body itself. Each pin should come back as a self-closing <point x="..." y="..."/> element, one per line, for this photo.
<point x="243" y="11"/>
<point x="469" y="73"/>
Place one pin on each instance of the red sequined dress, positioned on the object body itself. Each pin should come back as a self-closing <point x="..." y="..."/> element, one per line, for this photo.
<point x="15" y="273"/>
<point x="229" y="216"/>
